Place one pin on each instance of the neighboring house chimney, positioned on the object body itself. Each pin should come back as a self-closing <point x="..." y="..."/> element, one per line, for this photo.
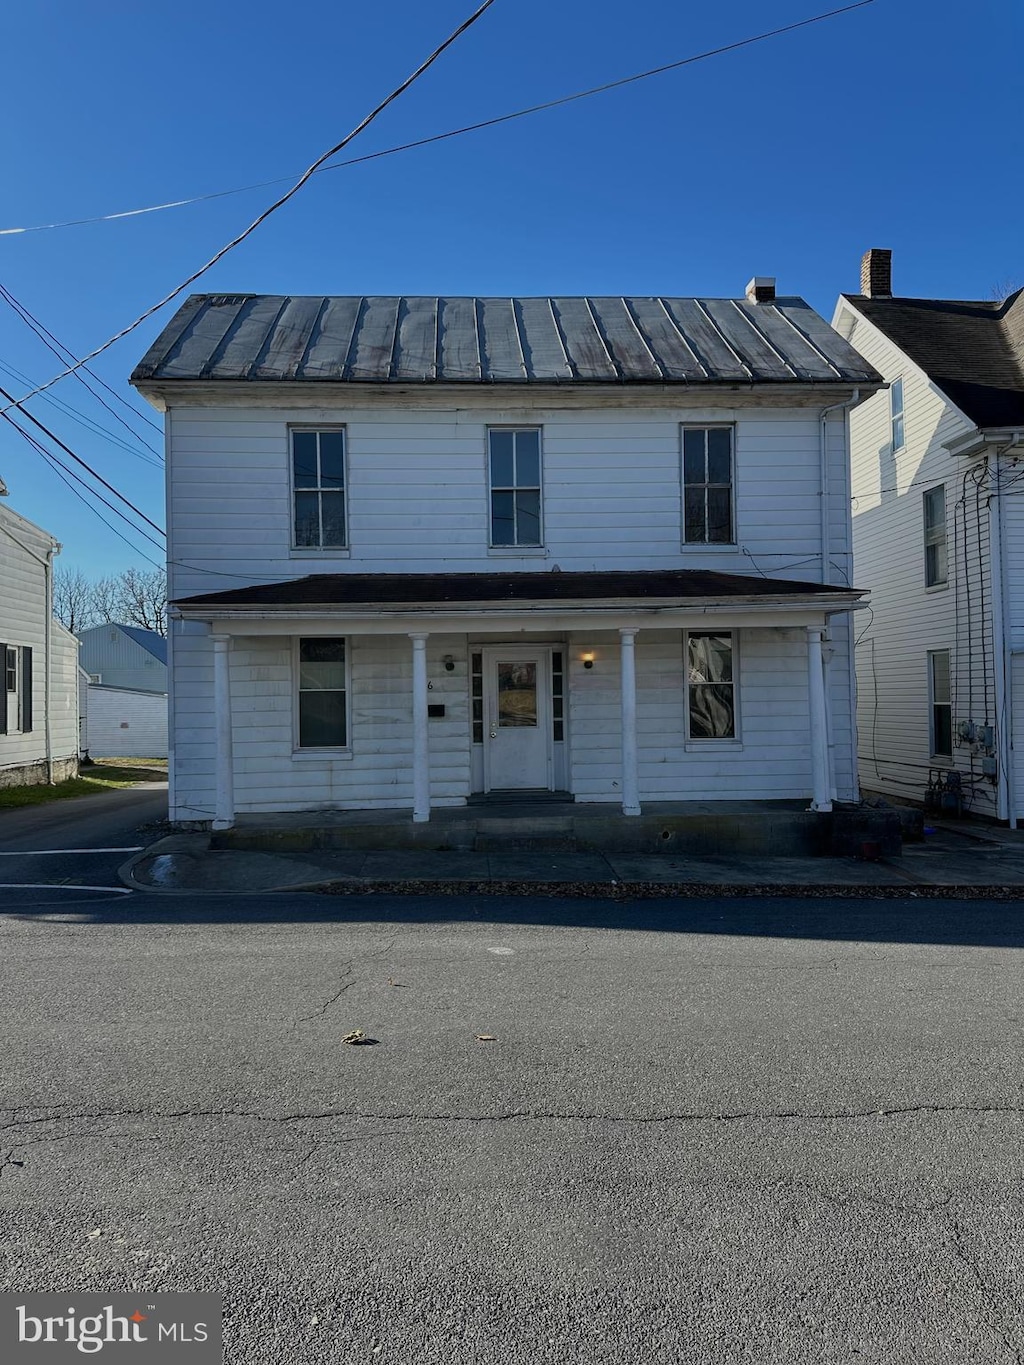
<point x="761" y="289"/>
<point x="876" y="273"/>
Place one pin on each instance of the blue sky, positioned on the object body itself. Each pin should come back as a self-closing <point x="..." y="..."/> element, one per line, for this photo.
<point x="895" y="125"/>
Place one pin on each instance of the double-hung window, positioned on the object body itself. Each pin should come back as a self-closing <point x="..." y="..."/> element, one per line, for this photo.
<point x="710" y="685"/>
<point x="513" y="457"/>
<point x="16" y="689"/>
<point x="935" y="567"/>
<point x="318" y="488"/>
<point x="941" y="703"/>
<point x="896" y="413"/>
<point x="322" y="693"/>
<point x="708" y="517"/>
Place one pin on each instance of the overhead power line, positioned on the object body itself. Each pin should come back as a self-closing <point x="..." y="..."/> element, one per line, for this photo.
<point x="112" y="438"/>
<point x="64" y="353"/>
<point x="438" y="137"/>
<point x="278" y="203"/>
<point x="4" y="412"/>
<point x="66" y="474"/>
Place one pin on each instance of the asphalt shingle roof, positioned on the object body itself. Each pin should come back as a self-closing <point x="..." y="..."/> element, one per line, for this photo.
<point x="429" y="340"/>
<point x="660" y="586"/>
<point x="972" y="350"/>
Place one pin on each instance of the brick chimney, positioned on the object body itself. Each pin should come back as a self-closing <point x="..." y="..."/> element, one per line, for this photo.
<point x="761" y="289"/>
<point x="876" y="273"/>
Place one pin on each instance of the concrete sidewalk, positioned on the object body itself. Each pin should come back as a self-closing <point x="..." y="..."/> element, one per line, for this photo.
<point x="952" y="860"/>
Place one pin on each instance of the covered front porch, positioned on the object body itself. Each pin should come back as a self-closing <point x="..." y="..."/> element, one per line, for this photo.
<point x="615" y="689"/>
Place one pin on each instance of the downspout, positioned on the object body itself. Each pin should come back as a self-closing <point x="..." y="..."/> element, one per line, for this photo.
<point x="826" y="554"/>
<point x="47" y="666"/>
<point x="1006" y="802"/>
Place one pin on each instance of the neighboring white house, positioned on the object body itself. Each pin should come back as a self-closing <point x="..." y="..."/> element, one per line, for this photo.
<point x="938" y="518"/>
<point x="422" y="548"/>
<point x="124" y="656"/>
<point x="39" y="690"/>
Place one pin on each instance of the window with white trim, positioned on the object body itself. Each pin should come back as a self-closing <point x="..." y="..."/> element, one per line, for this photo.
<point x="935" y="567"/>
<point x="322" y="692"/>
<point x="710" y="685"/>
<point x="708" y="486"/>
<point x="940" y="701"/>
<point x="896" y="413"/>
<point x="11" y="668"/>
<point x="318" y="488"/>
<point x="513" y="462"/>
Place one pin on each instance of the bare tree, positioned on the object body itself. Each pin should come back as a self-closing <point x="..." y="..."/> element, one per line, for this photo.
<point x="134" y="597"/>
<point x="143" y="599"/>
<point x="74" y="602"/>
<point x="1002" y="289"/>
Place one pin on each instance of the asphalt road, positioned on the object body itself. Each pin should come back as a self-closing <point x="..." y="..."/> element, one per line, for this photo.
<point x="699" y="1131"/>
<point x="78" y="842"/>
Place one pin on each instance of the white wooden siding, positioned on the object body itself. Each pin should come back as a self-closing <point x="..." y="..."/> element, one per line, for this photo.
<point x="772" y="761"/>
<point x="908" y="619"/>
<point x="23" y="624"/>
<point x="417" y="493"/>
<point x="418" y="502"/>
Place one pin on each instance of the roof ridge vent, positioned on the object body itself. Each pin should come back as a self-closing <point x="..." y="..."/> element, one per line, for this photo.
<point x="761" y="289"/>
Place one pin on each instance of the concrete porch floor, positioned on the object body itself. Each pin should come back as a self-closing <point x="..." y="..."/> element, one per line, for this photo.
<point x="782" y="828"/>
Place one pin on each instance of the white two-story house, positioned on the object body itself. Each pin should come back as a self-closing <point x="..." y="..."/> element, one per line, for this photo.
<point x="38" y="658"/>
<point x="938" y="518"/>
<point x="422" y="550"/>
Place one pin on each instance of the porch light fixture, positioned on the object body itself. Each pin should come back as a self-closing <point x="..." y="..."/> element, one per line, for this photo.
<point x="588" y="660"/>
<point x="449" y="663"/>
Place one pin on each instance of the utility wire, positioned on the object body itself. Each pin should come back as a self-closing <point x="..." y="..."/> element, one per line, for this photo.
<point x="68" y="474"/>
<point x="76" y="415"/>
<point x="4" y="412"/>
<point x="441" y="137"/>
<point x="278" y="203"/>
<point x="63" y="352"/>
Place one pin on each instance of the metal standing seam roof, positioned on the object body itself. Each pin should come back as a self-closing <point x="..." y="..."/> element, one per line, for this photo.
<point x="429" y="340"/>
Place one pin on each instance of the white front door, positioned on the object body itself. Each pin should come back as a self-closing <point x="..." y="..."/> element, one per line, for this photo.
<point x="518" y="718"/>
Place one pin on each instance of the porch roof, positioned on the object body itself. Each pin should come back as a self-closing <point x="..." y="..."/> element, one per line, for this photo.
<point x="430" y="592"/>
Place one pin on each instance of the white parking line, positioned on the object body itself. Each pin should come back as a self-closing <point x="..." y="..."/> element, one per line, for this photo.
<point x="52" y="852"/>
<point x="62" y="886"/>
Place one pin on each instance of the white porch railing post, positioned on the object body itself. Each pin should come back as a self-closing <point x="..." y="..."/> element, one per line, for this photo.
<point x="630" y="773"/>
<point x="224" y="799"/>
<point x="420" y="740"/>
<point x="821" y="798"/>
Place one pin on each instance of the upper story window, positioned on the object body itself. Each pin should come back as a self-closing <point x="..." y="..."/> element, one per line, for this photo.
<point x="896" y="412"/>
<point x="935" y="569"/>
<point x="710" y="685"/>
<point x="514" y="475"/>
<point x="708" y="486"/>
<point x="318" y="488"/>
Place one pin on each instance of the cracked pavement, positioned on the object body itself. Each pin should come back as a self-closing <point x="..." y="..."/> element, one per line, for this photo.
<point x="711" y="1132"/>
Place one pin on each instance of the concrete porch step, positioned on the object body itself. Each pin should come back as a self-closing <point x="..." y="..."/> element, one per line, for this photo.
<point x="678" y="827"/>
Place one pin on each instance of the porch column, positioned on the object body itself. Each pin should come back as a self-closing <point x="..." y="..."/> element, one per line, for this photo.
<point x="420" y="742"/>
<point x="630" y="776"/>
<point x="224" y="791"/>
<point x="821" y="797"/>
